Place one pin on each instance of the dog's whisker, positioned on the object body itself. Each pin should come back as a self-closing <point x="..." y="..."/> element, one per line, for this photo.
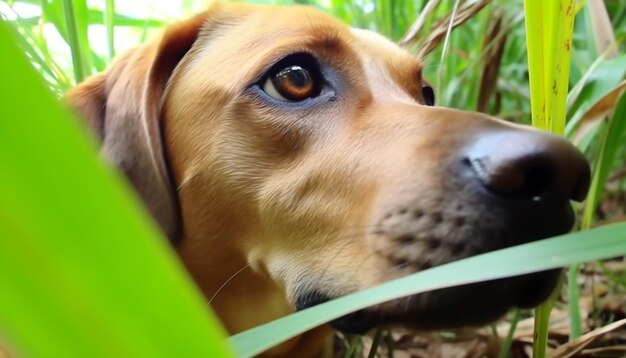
<point x="345" y="245"/>
<point x="387" y="274"/>
<point x="227" y="282"/>
<point x="338" y="252"/>
<point x="361" y="226"/>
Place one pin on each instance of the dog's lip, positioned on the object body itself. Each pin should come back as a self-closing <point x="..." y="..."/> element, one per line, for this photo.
<point x="523" y="291"/>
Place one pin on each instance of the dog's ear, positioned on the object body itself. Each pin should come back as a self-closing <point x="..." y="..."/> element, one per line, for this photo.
<point x="122" y="107"/>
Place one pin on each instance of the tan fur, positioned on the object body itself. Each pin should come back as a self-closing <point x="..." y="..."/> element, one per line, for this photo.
<point x="260" y="200"/>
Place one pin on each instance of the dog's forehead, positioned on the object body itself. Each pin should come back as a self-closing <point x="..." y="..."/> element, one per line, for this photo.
<point x="296" y="20"/>
<point x="248" y="33"/>
<point x="378" y="43"/>
<point x="241" y="41"/>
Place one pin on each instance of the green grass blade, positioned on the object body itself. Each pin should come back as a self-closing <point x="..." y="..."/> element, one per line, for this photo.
<point x="534" y="11"/>
<point x="505" y="350"/>
<point x="573" y="294"/>
<point x="549" y="28"/>
<point x="612" y="139"/>
<point x="35" y="55"/>
<point x="549" y="31"/>
<point x="109" y="24"/>
<point x="38" y="54"/>
<point x="542" y="323"/>
<point x="80" y="72"/>
<point x="148" y="20"/>
<point x="444" y="50"/>
<point x="97" y="17"/>
<point x="82" y="22"/>
<point x="599" y="79"/>
<point x="353" y="343"/>
<point x="82" y="272"/>
<point x="563" y="26"/>
<point x="378" y="336"/>
<point x="595" y="244"/>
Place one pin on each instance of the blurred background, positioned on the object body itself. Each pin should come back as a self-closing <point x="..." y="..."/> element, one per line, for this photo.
<point x="481" y="65"/>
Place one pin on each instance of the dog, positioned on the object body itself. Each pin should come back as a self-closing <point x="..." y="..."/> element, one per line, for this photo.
<point x="291" y="159"/>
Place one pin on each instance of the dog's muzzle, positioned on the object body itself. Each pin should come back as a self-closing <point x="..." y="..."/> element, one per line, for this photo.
<point x="504" y="187"/>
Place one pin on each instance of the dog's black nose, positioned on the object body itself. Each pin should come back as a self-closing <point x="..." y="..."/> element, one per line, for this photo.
<point x="529" y="164"/>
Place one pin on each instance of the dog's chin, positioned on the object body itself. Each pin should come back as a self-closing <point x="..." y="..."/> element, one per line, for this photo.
<point x="464" y="306"/>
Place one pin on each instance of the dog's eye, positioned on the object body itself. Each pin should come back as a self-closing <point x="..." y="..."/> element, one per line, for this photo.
<point x="292" y="83"/>
<point x="293" y="79"/>
<point x="429" y="95"/>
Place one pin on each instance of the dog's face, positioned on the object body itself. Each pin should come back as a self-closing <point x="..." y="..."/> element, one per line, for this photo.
<point x="309" y="155"/>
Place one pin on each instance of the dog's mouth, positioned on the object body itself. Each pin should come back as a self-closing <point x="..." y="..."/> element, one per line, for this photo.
<point x="463" y="306"/>
<point x="456" y="307"/>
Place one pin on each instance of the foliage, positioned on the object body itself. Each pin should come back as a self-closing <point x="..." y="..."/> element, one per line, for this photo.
<point x="83" y="272"/>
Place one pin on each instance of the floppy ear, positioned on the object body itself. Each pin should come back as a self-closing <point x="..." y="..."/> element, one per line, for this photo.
<point x="122" y="106"/>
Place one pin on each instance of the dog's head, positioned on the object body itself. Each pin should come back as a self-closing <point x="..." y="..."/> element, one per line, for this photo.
<point x="295" y="160"/>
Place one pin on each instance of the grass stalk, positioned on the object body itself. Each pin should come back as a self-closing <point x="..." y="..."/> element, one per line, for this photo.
<point x="505" y="350"/>
<point x="354" y="342"/>
<point x="444" y="50"/>
<point x="109" y="23"/>
<point x="375" y="343"/>
<point x="549" y="29"/>
<point x="390" y="344"/>
<point x="533" y="11"/>
<point x="563" y="27"/>
<point x="542" y="324"/>
<point x="72" y="30"/>
<point x="610" y="140"/>
<point x="573" y="294"/>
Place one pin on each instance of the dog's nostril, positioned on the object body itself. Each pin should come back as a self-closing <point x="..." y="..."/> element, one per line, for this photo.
<point x="537" y="181"/>
<point x="532" y="179"/>
<point x="528" y="164"/>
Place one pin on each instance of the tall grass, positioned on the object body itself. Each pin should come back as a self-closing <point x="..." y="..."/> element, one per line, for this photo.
<point x="549" y="31"/>
<point x="476" y="51"/>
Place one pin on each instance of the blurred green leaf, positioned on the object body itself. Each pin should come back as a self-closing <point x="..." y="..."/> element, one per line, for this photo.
<point x="83" y="273"/>
<point x="96" y="17"/>
<point x="600" y="80"/>
<point x="612" y="139"/>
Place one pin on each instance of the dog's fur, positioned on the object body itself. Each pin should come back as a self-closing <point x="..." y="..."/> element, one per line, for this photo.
<point x="274" y="206"/>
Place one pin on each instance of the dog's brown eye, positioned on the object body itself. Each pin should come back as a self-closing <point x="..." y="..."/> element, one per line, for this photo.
<point x="429" y="95"/>
<point x="292" y="83"/>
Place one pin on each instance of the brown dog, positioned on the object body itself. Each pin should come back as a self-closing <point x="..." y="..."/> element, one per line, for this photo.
<point x="292" y="160"/>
